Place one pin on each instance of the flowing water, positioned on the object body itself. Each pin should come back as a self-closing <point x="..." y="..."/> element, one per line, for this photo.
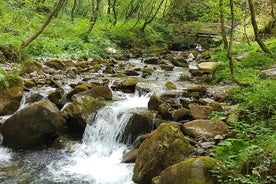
<point x="96" y="159"/>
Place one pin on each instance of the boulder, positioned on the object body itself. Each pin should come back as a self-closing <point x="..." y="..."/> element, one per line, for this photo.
<point x="208" y="67"/>
<point x="34" y="125"/>
<point x="200" y="111"/>
<point x="152" y="60"/>
<point x="129" y="85"/>
<point x="164" y="147"/>
<point x="154" y="102"/>
<point x="181" y="114"/>
<point x="140" y="123"/>
<point x="10" y="97"/>
<point x="165" y="111"/>
<point x="58" y="98"/>
<point x="77" y="113"/>
<point x="191" y="171"/>
<point x="101" y="91"/>
<point x="130" y="156"/>
<point x="57" y="64"/>
<point x="29" y="66"/>
<point x="79" y="88"/>
<point x="204" y="129"/>
<point x="166" y="67"/>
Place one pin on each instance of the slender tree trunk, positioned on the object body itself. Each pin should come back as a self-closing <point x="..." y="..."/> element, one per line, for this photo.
<point x="272" y="9"/>
<point x="57" y="8"/>
<point x="150" y="19"/>
<point x="114" y="12"/>
<point x="255" y="27"/>
<point x="95" y="15"/>
<point x="73" y="10"/>
<point x="230" y="45"/>
<point x="222" y="25"/>
<point x="244" y="26"/>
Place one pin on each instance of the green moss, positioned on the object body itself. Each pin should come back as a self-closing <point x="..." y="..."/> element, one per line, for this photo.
<point x="170" y="85"/>
<point x="30" y="66"/>
<point x="130" y="82"/>
<point x="191" y="171"/>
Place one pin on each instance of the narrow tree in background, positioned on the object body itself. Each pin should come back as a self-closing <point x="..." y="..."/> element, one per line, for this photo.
<point x="222" y="24"/>
<point x="230" y="45"/>
<point x="255" y="27"/>
<point x="57" y="8"/>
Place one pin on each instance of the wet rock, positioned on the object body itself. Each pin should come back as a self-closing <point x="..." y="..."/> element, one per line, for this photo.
<point x="10" y="97"/>
<point x="178" y="60"/>
<point x="140" y="123"/>
<point x="132" y="73"/>
<point x="28" y="83"/>
<point x="200" y="111"/>
<point x="34" y="125"/>
<point x="77" y="113"/>
<point x="181" y="114"/>
<point x="197" y="88"/>
<point x="79" y="88"/>
<point x="154" y="102"/>
<point x="165" y="146"/>
<point x="58" y="98"/>
<point x="204" y="129"/>
<point x="29" y="66"/>
<point x="165" y="111"/>
<point x="130" y="157"/>
<point x="166" y="67"/>
<point x="128" y="85"/>
<point x="152" y="60"/>
<point x="191" y="171"/>
<point x="62" y="142"/>
<point x="102" y="91"/>
<point x="33" y="97"/>
<point x="170" y="85"/>
<point x="57" y="64"/>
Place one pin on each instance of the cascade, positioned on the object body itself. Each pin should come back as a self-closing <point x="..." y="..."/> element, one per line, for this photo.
<point x="97" y="159"/>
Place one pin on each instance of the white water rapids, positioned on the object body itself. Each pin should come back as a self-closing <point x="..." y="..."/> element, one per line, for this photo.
<point x="97" y="160"/>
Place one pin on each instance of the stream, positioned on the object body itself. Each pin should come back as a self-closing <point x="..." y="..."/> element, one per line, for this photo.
<point x="96" y="159"/>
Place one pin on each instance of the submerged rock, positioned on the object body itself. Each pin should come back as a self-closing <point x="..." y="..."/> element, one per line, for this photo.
<point x="165" y="146"/>
<point x="34" y="125"/>
<point x="191" y="171"/>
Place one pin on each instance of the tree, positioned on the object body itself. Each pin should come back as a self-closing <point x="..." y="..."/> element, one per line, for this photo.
<point x="57" y="8"/>
<point x="255" y="27"/>
<point x="222" y="24"/>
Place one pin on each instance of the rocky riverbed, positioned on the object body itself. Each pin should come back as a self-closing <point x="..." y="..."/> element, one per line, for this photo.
<point x="53" y="102"/>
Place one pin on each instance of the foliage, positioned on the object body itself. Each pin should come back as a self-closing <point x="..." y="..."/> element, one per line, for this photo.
<point x="6" y="79"/>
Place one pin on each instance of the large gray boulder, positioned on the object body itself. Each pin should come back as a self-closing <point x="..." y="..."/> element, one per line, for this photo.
<point x="34" y="125"/>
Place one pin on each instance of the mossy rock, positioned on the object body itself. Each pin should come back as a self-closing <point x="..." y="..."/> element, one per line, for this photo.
<point x="166" y="67"/>
<point x="191" y="171"/>
<point x="77" y="113"/>
<point x="165" y="111"/>
<point x="101" y="91"/>
<point x="10" y="54"/>
<point x="129" y="84"/>
<point x="181" y="114"/>
<point x="170" y="85"/>
<point x="79" y="88"/>
<point x="30" y="66"/>
<point x="154" y="102"/>
<point x="200" y="111"/>
<point x="10" y="97"/>
<point x="57" y="64"/>
<point x="164" y="147"/>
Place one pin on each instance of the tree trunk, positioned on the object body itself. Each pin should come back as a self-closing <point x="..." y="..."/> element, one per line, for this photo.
<point x="73" y="10"/>
<point x="222" y="24"/>
<point x="229" y="50"/>
<point x="255" y="27"/>
<point x="149" y="19"/>
<point x="44" y="25"/>
<point x="95" y="15"/>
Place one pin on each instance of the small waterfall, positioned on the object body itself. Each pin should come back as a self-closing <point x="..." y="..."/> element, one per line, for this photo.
<point x="97" y="160"/>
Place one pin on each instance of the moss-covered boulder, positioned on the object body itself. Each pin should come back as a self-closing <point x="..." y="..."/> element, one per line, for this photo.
<point x="164" y="147"/>
<point x="129" y="85"/>
<point x="77" y="113"/>
<point x="10" y="97"/>
<point x="170" y="85"/>
<point x="165" y="111"/>
<point x="30" y="66"/>
<point x="191" y="171"/>
<point x="166" y="67"/>
<point x="141" y="122"/>
<point x="181" y="114"/>
<point x="34" y="125"/>
<point x="204" y="128"/>
<point x="77" y="89"/>
<point x="154" y="102"/>
<point x="58" y="98"/>
<point x="57" y="64"/>
<point x="101" y="91"/>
